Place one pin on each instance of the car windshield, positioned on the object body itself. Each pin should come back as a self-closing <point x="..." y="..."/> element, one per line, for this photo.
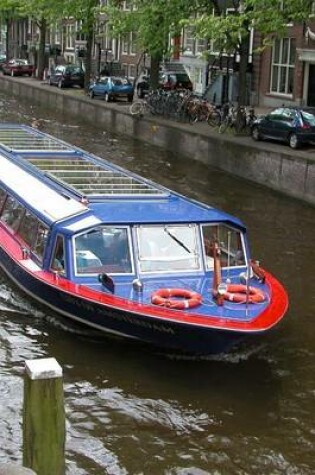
<point x="73" y="69"/>
<point x="120" y="81"/>
<point x="18" y="61"/>
<point x="309" y="117"/>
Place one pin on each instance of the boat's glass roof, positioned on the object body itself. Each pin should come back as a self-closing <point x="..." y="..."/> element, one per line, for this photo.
<point x="92" y="179"/>
<point x="87" y="176"/>
<point x="17" y="139"/>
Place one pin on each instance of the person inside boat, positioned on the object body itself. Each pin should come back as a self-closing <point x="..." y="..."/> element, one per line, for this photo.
<point x="119" y="249"/>
<point x="58" y="264"/>
<point x="104" y="248"/>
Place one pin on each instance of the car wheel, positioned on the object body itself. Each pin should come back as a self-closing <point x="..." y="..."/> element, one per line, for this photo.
<point x="106" y="97"/>
<point x="130" y="98"/>
<point x="255" y="133"/>
<point x="294" y="141"/>
<point x="91" y="94"/>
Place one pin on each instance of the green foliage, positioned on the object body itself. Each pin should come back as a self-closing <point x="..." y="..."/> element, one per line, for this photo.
<point x="153" y="22"/>
<point x="9" y="9"/>
<point x="269" y="17"/>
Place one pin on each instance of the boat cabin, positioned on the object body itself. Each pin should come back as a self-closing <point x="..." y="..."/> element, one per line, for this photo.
<point x="81" y="217"/>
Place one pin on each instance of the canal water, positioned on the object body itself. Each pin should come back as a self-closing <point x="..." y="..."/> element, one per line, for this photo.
<point x="133" y="411"/>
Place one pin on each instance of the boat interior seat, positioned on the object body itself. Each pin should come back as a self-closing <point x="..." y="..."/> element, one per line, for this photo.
<point x="86" y="259"/>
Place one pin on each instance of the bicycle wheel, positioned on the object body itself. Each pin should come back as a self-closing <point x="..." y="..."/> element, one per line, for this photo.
<point x="137" y="108"/>
<point x="214" y="120"/>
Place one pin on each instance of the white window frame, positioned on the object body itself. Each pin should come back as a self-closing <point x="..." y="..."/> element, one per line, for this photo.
<point x="70" y="36"/>
<point x="278" y="67"/>
<point x="128" y="44"/>
<point x="133" y="44"/>
<point x="127" y="5"/>
<point x="125" y="44"/>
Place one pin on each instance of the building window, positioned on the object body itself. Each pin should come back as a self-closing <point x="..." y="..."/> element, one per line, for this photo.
<point x="127" y="5"/>
<point x="57" y="33"/>
<point x="124" y="45"/>
<point x="80" y="36"/>
<point x="189" y="40"/>
<point x="70" y="32"/>
<point x="133" y="43"/>
<point x="282" y="68"/>
<point x="191" y="44"/>
<point x="129" y="44"/>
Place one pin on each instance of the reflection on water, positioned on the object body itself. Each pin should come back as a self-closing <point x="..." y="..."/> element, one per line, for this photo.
<point x="132" y="411"/>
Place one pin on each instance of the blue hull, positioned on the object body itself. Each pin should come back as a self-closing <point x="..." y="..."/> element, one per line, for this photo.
<point x="179" y="337"/>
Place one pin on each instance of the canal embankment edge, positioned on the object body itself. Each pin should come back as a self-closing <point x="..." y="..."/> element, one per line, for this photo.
<point x="272" y="165"/>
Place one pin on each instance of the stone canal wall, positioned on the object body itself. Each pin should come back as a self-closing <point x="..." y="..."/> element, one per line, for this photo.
<point x="272" y="165"/>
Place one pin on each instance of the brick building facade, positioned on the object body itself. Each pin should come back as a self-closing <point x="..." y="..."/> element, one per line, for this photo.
<point x="285" y="71"/>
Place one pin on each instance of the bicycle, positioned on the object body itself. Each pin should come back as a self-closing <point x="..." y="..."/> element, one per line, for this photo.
<point x="228" y="120"/>
<point x="139" y="108"/>
<point x="245" y="119"/>
<point x="215" y="116"/>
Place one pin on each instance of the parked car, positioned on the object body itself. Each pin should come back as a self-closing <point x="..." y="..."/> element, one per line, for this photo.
<point x="111" y="88"/>
<point x="67" y="75"/>
<point x="17" y="67"/>
<point x="294" y="125"/>
<point x="168" y="80"/>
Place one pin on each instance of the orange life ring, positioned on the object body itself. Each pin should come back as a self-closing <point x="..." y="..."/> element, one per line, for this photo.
<point x="169" y="298"/>
<point x="238" y="293"/>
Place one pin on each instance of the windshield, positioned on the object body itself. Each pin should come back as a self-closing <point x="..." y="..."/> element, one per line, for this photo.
<point x="103" y="249"/>
<point x="309" y="117"/>
<point x="230" y="245"/>
<point x="168" y="248"/>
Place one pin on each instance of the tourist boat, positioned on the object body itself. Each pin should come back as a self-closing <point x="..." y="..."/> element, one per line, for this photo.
<point x="104" y="247"/>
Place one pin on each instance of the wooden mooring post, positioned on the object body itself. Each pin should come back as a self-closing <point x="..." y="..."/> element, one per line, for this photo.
<point x="12" y="469"/>
<point x="44" y="417"/>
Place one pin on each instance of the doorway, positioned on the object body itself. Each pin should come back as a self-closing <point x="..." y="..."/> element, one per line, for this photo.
<point x="311" y="86"/>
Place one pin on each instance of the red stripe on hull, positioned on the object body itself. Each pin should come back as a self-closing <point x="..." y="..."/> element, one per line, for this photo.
<point x="269" y="317"/>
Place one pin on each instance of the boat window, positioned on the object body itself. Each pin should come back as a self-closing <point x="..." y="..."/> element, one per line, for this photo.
<point x="103" y="249"/>
<point x="28" y="228"/>
<point x="2" y="198"/>
<point x="230" y="245"/>
<point x="12" y="212"/>
<point x="58" y="260"/>
<point x="41" y="239"/>
<point x="168" y="248"/>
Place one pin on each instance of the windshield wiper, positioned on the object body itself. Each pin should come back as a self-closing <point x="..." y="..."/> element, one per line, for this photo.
<point x="177" y="240"/>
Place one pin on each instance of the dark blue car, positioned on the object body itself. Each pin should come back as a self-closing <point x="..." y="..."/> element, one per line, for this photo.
<point x="293" y="125"/>
<point x="111" y="88"/>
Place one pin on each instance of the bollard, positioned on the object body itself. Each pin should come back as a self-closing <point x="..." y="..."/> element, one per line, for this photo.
<point x="44" y="417"/>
